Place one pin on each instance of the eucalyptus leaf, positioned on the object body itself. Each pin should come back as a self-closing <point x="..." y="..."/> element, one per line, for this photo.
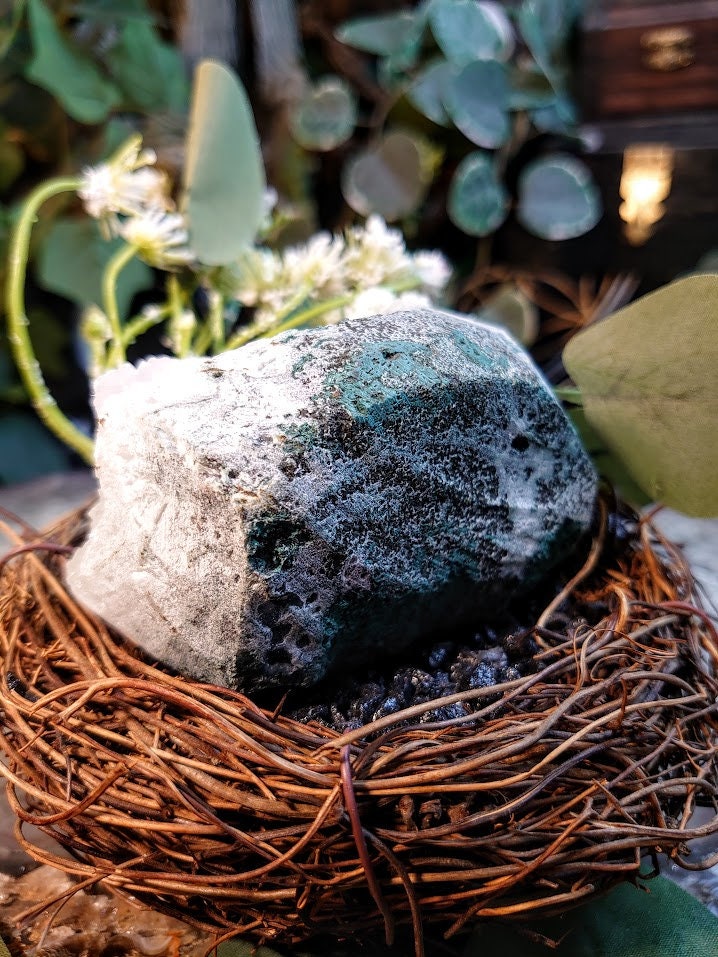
<point x="387" y="179"/>
<point x="478" y="202"/>
<point x="72" y="259"/>
<point x="558" y="116"/>
<point x="607" y="464"/>
<point x="28" y="450"/>
<point x="383" y="35"/>
<point x="426" y="92"/>
<point x="10" y="20"/>
<point x="545" y="25"/>
<point x="529" y="90"/>
<point x="326" y="115"/>
<point x="117" y="11"/>
<point x="224" y="175"/>
<point x="468" y="30"/>
<point x="558" y="198"/>
<point x="648" y="382"/>
<point x="658" y="920"/>
<point x="64" y="71"/>
<point x="513" y="311"/>
<point x="243" y="948"/>
<point x="149" y="72"/>
<point x="476" y="98"/>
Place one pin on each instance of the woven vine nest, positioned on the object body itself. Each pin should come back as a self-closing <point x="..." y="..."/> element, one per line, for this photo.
<point x="242" y="821"/>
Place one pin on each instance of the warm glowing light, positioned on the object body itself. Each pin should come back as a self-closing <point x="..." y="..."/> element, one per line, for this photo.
<point x="645" y="184"/>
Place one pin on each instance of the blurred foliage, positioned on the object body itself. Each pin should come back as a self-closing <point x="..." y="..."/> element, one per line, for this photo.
<point x="476" y="79"/>
<point x="75" y="79"/>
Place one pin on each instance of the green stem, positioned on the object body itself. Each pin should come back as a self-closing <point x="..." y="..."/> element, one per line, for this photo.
<point x="215" y="320"/>
<point x="140" y="324"/>
<point x="124" y="255"/>
<point x="17" y="321"/>
<point x="568" y="393"/>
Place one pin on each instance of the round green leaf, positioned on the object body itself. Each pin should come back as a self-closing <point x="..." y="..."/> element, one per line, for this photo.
<point x="326" y="116"/>
<point x="72" y="260"/>
<point x="387" y="179"/>
<point x="510" y="309"/>
<point x="476" y="98"/>
<point x="648" y="382"/>
<point x="224" y="176"/>
<point x="468" y="30"/>
<point x="66" y="72"/>
<point x="558" y="198"/>
<point x="383" y="35"/>
<point x="478" y="202"/>
<point x="426" y="92"/>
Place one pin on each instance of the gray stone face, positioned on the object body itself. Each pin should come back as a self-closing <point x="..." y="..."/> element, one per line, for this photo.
<point x="309" y="502"/>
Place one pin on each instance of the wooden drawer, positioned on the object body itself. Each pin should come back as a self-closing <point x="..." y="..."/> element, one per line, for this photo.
<point x="650" y="59"/>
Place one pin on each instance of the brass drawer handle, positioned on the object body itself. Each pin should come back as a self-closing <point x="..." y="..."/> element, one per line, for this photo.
<point x="668" y="49"/>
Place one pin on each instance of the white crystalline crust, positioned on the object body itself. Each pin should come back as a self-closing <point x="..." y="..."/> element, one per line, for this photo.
<point x="189" y="450"/>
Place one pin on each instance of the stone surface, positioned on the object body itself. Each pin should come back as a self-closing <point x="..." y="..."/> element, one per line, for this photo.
<point x="307" y="501"/>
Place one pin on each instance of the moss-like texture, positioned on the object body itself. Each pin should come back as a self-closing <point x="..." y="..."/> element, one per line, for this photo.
<point x="361" y="487"/>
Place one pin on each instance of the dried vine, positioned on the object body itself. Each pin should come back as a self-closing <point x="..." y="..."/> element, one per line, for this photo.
<point x="243" y="822"/>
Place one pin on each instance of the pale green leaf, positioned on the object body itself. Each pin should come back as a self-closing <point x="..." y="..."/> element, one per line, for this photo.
<point x="27" y="451"/>
<point x="326" y="115"/>
<point x="468" y="30"/>
<point x="243" y="948"/>
<point x="513" y="311"/>
<point x="558" y="198"/>
<point x="649" y="386"/>
<point x="224" y="174"/>
<point x="387" y="179"/>
<point x="607" y="464"/>
<point x="426" y="92"/>
<point x="478" y="201"/>
<point x="150" y="73"/>
<point x="476" y="98"/>
<point x="73" y="257"/>
<point x="10" y="20"/>
<point x="65" y="72"/>
<point x="657" y="919"/>
<point x="384" y="34"/>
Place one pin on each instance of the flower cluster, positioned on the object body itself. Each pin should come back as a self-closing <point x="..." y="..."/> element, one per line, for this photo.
<point x="131" y="199"/>
<point x="366" y="271"/>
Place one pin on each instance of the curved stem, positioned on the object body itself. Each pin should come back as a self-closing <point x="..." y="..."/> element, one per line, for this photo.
<point x="116" y="353"/>
<point x="17" y="321"/>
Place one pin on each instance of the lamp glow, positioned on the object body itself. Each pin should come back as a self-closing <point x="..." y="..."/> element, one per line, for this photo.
<point x="645" y="184"/>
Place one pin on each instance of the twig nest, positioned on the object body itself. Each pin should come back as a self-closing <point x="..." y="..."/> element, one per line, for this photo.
<point x="312" y="499"/>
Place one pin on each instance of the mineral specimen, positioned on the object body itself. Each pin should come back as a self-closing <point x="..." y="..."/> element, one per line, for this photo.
<point x="310" y="502"/>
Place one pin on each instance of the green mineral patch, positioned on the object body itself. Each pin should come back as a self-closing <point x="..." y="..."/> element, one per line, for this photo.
<point x="382" y="373"/>
<point x="476" y="354"/>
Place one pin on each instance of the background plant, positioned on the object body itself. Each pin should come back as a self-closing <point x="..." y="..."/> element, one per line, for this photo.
<point x="75" y="80"/>
<point x="462" y="86"/>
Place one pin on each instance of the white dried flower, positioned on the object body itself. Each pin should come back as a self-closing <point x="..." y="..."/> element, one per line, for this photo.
<point x="258" y="274"/>
<point x="371" y="302"/>
<point x="125" y="185"/>
<point x="432" y="269"/>
<point x="380" y="301"/>
<point x="375" y="254"/>
<point x="160" y="238"/>
<point x="316" y="266"/>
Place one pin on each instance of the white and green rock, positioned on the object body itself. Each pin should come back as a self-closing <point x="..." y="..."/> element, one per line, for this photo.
<point x="313" y="501"/>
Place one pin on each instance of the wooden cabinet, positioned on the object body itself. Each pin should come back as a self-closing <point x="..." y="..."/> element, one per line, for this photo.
<point x="653" y="58"/>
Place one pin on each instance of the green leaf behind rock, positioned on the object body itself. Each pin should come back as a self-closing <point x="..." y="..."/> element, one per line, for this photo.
<point x="478" y="202"/>
<point x="558" y="198"/>
<point x="72" y="260"/>
<point x="224" y="173"/>
<point x="68" y="74"/>
<point x="658" y="921"/>
<point x="648" y="377"/>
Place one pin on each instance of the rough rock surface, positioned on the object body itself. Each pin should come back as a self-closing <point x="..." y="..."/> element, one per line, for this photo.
<point x="306" y="501"/>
